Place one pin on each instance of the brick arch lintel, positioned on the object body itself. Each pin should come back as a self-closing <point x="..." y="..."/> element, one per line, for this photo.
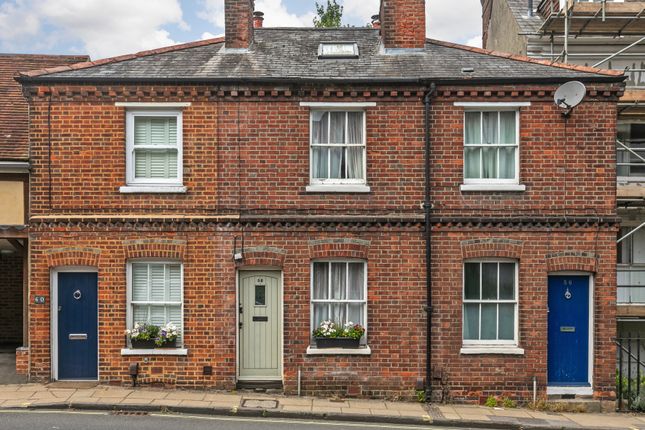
<point x="574" y="261"/>
<point x="171" y="249"/>
<point x="261" y="256"/>
<point x="73" y="256"/>
<point x="496" y="247"/>
<point x="339" y="248"/>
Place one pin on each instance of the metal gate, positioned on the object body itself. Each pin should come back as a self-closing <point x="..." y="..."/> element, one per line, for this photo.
<point x="630" y="374"/>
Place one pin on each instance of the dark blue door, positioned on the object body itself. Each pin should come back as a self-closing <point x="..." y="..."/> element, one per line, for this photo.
<point x="77" y="326"/>
<point x="568" y="348"/>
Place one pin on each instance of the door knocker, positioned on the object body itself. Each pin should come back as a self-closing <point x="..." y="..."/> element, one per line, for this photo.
<point x="567" y="294"/>
<point x="77" y="294"/>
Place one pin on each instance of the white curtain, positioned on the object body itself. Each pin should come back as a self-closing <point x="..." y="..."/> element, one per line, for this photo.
<point x="338" y="281"/>
<point x="472" y="156"/>
<point x="355" y="153"/>
<point x="507" y="162"/>
<point x="319" y="131"/>
<point x="473" y="128"/>
<point x="321" y="281"/>
<point x="507" y="129"/>
<point x="489" y="162"/>
<point x="337" y="127"/>
<point x="356" y="281"/>
<point x="320" y="162"/>
<point x="489" y="126"/>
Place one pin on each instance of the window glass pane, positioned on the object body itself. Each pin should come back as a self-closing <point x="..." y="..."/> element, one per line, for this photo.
<point x="506" y="281"/>
<point x="472" y="160"/>
<point x="154" y="163"/>
<point x="174" y="316"/>
<point x="141" y="131"/>
<point x="471" y="281"/>
<point x="319" y="162"/>
<point x="355" y="127"/>
<point x="337" y="168"/>
<point x="472" y="128"/>
<point x="489" y="163"/>
<point x="321" y="313"/>
<point x="471" y="321"/>
<point x="489" y="126"/>
<point x="338" y="281"/>
<point x="139" y="314"/>
<point x="140" y="282"/>
<point x="489" y="281"/>
<point x="321" y="282"/>
<point x="489" y="321"/>
<point x="141" y="163"/>
<point x="337" y="131"/>
<point x="319" y="127"/>
<point x="157" y="315"/>
<point x="508" y="127"/>
<point x="507" y="163"/>
<point x="355" y="162"/>
<point x="339" y="313"/>
<point x="174" y="275"/>
<point x="356" y="281"/>
<point x="158" y="284"/>
<point x="506" y="321"/>
<point x="356" y="313"/>
<point x="158" y="131"/>
<point x="260" y="295"/>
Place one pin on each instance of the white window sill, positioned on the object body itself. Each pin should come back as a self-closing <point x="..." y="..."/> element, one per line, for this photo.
<point x="493" y="187"/>
<point x="338" y="188"/>
<point x="156" y="351"/>
<point x="363" y="350"/>
<point x="500" y="350"/>
<point x="152" y="189"/>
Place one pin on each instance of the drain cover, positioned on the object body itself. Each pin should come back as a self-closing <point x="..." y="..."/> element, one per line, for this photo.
<point x="260" y="403"/>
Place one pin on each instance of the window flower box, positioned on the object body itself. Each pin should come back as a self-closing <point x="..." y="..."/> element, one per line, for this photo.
<point x="332" y="335"/>
<point x="337" y="342"/>
<point x="150" y="336"/>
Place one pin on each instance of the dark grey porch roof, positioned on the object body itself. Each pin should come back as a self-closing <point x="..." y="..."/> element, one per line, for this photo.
<point x="291" y="54"/>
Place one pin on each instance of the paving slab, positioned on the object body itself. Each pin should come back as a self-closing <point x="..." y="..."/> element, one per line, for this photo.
<point x="16" y="395"/>
<point x="297" y="408"/>
<point x="152" y="395"/>
<point x="401" y="406"/>
<point x="112" y="393"/>
<point x="295" y="401"/>
<point x="367" y="404"/>
<point x="135" y="401"/>
<point x="325" y="410"/>
<point x="385" y="412"/>
<point x="222" y="398"/>
<point x="195" y="404"/>
<point x="326" y="403"/>
<point x="185" y="395"/>
<point x="166" y="402"/>
<point x="518" y="413"/>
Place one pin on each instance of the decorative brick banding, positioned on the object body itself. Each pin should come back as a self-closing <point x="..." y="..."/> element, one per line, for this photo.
<point x="73" y="256"/>
<point x="491" y="247"/>
<point x="341" y="248"/>
<point x="578" y="261"/>
<point x="262" y="256"/>
<point x="171" y="249"/>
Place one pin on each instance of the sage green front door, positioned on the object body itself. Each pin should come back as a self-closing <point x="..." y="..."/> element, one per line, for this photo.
<point x="261" y="326"/>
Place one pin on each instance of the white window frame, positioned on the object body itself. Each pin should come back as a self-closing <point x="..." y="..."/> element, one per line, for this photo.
<point x="336" y="181"/>
<point x="130" y="302"/>
<point x="470" y="343"/>
<point x="131" y="180"/>
<point x="311" y="290"/>
<point x="492" y="107"/>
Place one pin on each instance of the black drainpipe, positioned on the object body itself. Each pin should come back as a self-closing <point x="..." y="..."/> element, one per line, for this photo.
<point x="428" y="233"/>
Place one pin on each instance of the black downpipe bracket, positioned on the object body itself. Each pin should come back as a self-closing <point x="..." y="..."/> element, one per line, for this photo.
<point x="427" y="206"/>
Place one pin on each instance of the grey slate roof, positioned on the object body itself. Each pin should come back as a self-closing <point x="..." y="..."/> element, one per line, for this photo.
<point x="291" y="54"/>
<point x="528" y="24"/>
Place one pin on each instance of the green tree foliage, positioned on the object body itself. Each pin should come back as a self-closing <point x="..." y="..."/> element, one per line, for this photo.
<point x="329" y="16"/>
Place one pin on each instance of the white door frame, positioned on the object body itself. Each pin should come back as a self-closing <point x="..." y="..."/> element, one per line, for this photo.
<point x="53" y="313"/>
<point x="580" y="391"/>
<point x="280" y="318"/>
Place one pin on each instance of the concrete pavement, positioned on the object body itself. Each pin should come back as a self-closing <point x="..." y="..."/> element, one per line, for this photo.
<point x="87" y="397"/>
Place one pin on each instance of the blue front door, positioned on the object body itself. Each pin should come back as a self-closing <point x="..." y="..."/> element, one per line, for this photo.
<point x="568" y="347"/>
<point x="77" y="326"/>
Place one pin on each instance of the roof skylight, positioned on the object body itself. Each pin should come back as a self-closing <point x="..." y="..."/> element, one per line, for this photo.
<point x="338" y="50"/>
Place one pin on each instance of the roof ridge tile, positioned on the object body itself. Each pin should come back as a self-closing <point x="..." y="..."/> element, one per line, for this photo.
<point x="526" y="59"/>
<point x="119" y="58"/>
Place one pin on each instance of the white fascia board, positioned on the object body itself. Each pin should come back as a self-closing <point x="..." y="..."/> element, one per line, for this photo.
<point x="152" y="105"/>
<point x="338" y="105"/>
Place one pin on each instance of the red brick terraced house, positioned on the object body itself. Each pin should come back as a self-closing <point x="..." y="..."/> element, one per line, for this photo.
<point x="249" y="188"/>
<point x="14" y="204"/>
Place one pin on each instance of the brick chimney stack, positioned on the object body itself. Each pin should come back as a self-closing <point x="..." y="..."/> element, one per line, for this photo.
<point x="403" y="23"/>
<point x="238" y="23"/>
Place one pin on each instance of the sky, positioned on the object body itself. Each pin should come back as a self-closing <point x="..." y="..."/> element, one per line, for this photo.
<point x="105" y="28"/>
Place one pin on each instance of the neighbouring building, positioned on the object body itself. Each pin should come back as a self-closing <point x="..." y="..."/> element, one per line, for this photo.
<point x="608" y="34"/>
<point x="250" y="187"/>
<point x="14" y="198"/>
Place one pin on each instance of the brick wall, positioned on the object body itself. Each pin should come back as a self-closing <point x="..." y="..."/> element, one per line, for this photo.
<point x="246" y="166"/>
<point x="403" y="23"/>
<point x="11" y="298"/>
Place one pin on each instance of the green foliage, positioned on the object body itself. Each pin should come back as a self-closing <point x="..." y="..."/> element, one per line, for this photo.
<point x="421" y="396"/>
<point x="509" y="403"/>
<point x="330" y="329"/>
<point x="491" y="402"/>
<point x="329" y="16"/>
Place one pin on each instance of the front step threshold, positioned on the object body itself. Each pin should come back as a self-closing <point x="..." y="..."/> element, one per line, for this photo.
<point x="576" y="391"/>
<point x="259" y="385"/>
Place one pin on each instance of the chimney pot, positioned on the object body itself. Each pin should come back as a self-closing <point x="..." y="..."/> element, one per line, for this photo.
<point x="376" y="21"/>
<point x="238" y="15"/>
<point x="258" y="19"/>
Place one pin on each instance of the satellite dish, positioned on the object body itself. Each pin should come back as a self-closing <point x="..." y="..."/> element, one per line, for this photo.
<point x="569" y="95"/>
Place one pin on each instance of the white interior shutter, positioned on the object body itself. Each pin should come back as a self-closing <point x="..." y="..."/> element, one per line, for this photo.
<point x="139" y="282"/>
<point x="174" y="289"/>
<point x="158" y="283"/>
<point x="158" y="132"/>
